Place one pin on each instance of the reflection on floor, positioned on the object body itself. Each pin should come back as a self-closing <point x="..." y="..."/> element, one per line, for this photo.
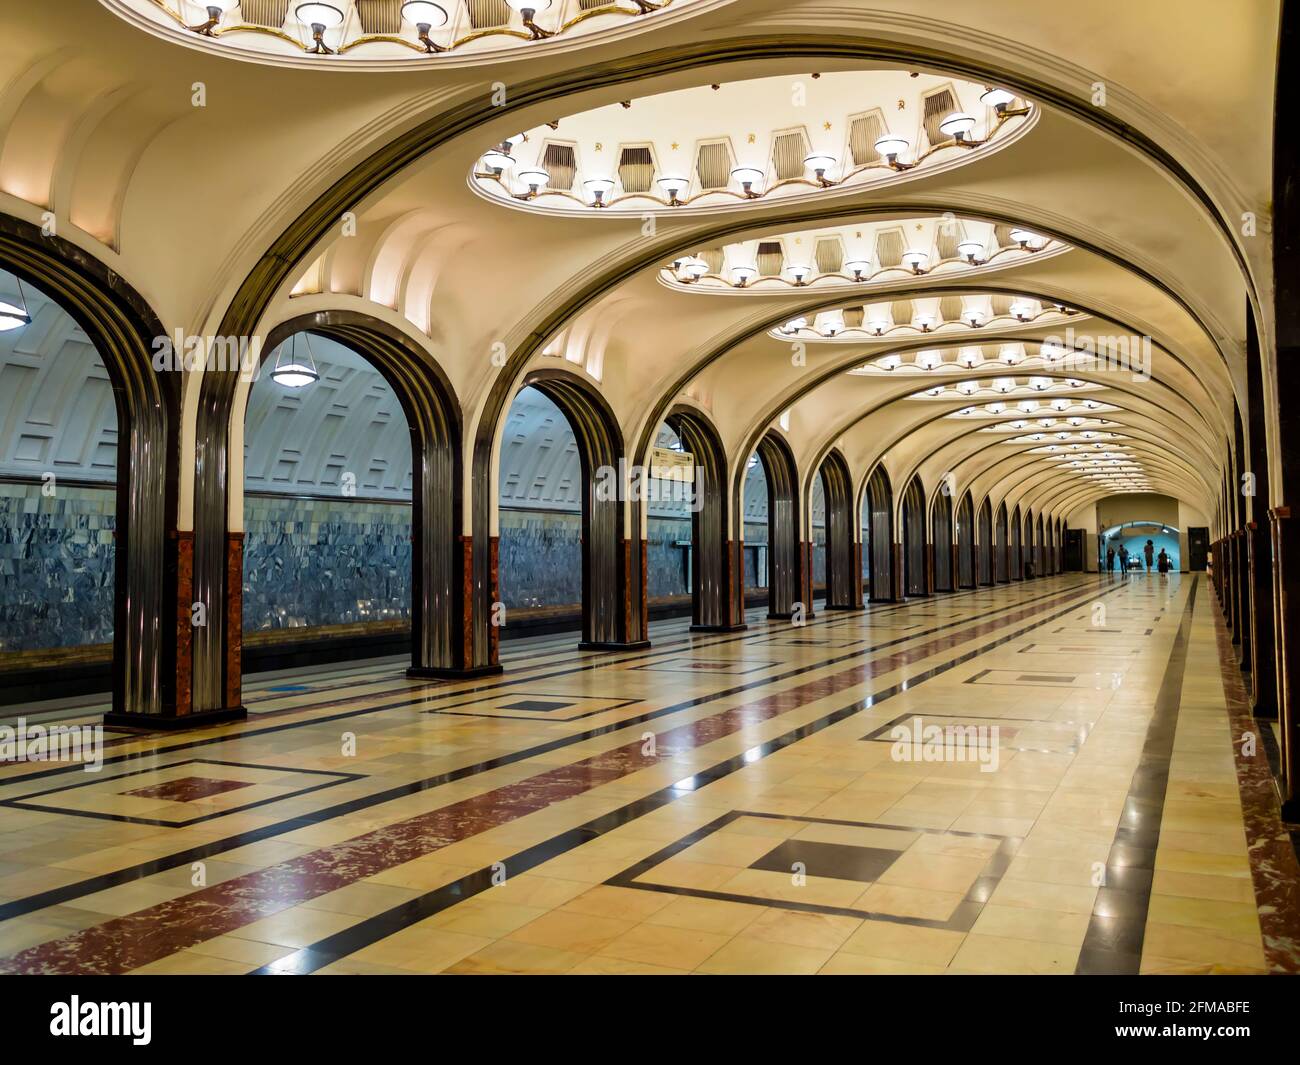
<point x="1046" y="777"/>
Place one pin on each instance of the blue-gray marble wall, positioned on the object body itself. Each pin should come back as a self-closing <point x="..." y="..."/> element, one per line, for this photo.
<point x="56" y="566"/>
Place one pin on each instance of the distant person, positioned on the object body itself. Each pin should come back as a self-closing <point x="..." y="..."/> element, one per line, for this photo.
<point x="1123" y="559"/>
<point x="1110" y="560"/>
<point x="1150" y="552"/>
<point x="1162" y="561"/>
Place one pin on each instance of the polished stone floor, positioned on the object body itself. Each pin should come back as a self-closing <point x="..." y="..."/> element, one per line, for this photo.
<point x="1054" y="776"/>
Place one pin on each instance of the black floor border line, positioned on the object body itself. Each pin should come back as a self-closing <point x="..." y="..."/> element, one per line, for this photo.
<point x="591" y="660"/>
<point x="200" y="852"/>
<point x="416" y="703"/>
<point x="22" y="803"/>
<point x="599" y="659"/>
<point x="381" y="926"/>
<point x="1112" y="945"/>
<point x="963" y="917"/>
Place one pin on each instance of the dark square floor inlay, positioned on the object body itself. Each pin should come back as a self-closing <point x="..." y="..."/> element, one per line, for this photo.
<point x="1041" y="678"/>
<point x="187" y="789"/>
<point x="835" y="860"/>
<point x="541" y="706"/>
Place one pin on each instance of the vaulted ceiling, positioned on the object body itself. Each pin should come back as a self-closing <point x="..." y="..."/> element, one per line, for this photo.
<point x="1142" y="175"/>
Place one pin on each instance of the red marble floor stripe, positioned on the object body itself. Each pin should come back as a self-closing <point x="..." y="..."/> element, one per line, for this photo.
<point x="1274" y="870"/>
<point x="125" y="943"/>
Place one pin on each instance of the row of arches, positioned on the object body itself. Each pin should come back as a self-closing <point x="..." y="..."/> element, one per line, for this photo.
<point x="175" y="663"/>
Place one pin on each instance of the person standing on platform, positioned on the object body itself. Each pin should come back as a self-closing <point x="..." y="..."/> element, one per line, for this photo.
<point x="1123" y="559"/>
<point x="1150" y="552"/>
<point x="1110" y="561"/>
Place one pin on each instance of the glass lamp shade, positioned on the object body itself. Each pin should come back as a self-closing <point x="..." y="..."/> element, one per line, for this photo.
<point x="857" y="267"/>
<point x="957" y="124"/>
<point x="424" y="13"/>
<point x="535" y="6"/>
<point x="925" y="321"/>
<point x="914" y="258"/>
<point x="878" y="325"/>
<point x="819" y="161"/>
<point x="997" y="98"/>
<point x="800" y="271"/>
<point x="890" y="362"/>
<point x="223" y="6"/>
<point x="743" y="273"/>
<point x="294" y="375"/>
<point x="1026" y="236"/>
<point x="973" y="318"/>
<point x="970" y="249"/>
<point x="317" y="14"/>
<point x="534" y="177"/>
<point x="598" y="185"/>
<point x="749" y="174"/>
<point x="1022" y="310"/>
<point x="496" y="159"/>
<point x="890" y="145"/>
<point x="695" y="268"/>
<point x="12" y="317"/>
<point x="672" y="185"/>
<point x="967" y="388"/>
<point x="795" y="324"/>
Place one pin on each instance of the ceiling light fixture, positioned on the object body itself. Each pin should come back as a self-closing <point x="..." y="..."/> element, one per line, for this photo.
<point x="972" y="251"/>
<point x="743" y="273"/>
<point x="1027" y="239"/>
<point x="958" y="126"/>
<point x="498" y="158"/>
<point x="320" y="17"/>
<point x="216" y="8"/>
<point x="536" y="179"/>
<point x="819" y="163"/>
<point x="800" y="273"/>
<point x="891" y="147"/>
<point x="915" y="260"/>
<point x="425" y="16"/>
<point x="1001" y="100"/>
<point x="748" y="176"/>
<point x="528" y="11"/>
<point x="859" y="267"/>
<point x="599" y="187"/>
<point x="674" y="186"/>
<point x="295" y="374"/>
<point x="695" y="268"/>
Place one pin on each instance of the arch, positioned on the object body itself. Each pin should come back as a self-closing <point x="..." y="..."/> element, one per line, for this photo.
<point x="1030" y="564"/>
<point x="1040" y="553"/>
<point x="152" y="623"/>
<point x="433" y="417"/>
<point x="712" y="574"/>
<point x="1016" y="567"/>
<point x="843" y="566"/>
<point x="607" y="582"/>
<point x="917" y="578"/>
<point x="943" y="546"/>
<point x="1001" y="547"/>
<point x="984" y="543"/>
<point x="878" y="497"/>
<point x="785" y="561"/>
<point x="964" y="543"/>
<point x="275" y="265"/>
